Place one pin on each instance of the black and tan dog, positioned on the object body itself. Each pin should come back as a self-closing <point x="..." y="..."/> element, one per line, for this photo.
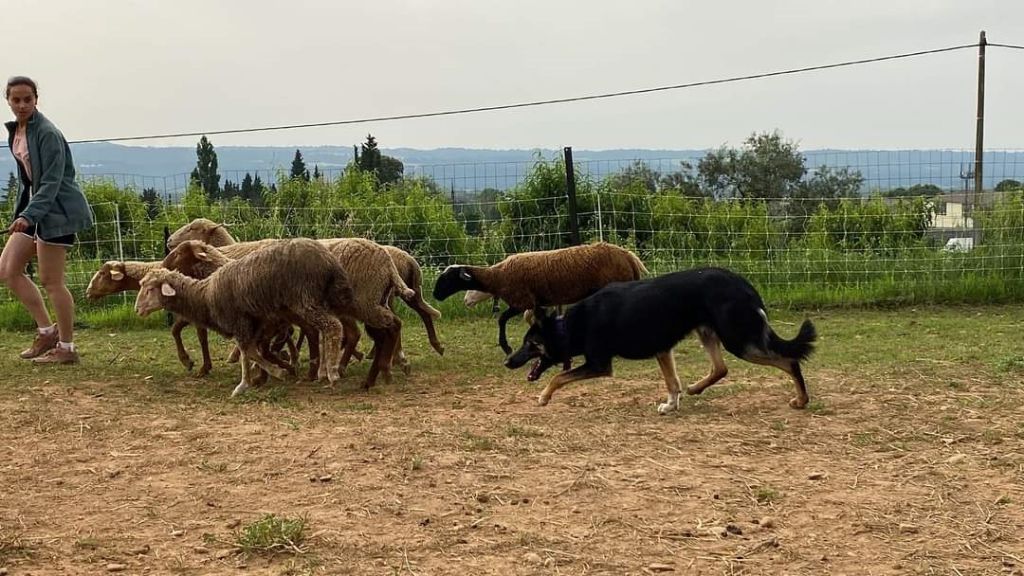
<point x="647" y="318"/>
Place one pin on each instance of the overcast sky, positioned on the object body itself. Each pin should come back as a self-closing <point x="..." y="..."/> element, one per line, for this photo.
<point x="131" y="67"/>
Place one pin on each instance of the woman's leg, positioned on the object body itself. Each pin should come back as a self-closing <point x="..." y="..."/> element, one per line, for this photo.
<point x="16" y="254"/>
<point x="52" y="259"/>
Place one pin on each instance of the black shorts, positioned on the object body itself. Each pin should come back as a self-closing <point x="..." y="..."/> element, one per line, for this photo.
<point x="68" y="240"/>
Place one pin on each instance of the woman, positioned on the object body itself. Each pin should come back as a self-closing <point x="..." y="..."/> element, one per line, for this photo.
<point x="50" y="210"/>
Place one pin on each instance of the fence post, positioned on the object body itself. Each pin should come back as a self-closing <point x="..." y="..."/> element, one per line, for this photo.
<point x="600" y="224"/>
<point x="120" y="245"/>
<point x="167" y="237"/>
<point x="570" y="189"/>
<point x="979" y="140"/>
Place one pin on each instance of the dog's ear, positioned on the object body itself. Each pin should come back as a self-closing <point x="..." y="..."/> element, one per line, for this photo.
<point x="465" y="275"/>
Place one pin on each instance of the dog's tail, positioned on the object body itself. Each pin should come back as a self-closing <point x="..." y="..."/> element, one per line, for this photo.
<point x="799" y="348"/>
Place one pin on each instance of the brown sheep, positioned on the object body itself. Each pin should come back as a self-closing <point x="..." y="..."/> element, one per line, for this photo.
<point x="294" y="281"/>
<point x="365" y="260"/>
<point x="409" y="270"/>
<point x="199" y="260"/>
<point x="528" y="280"/>
<point x="115" y="276"/>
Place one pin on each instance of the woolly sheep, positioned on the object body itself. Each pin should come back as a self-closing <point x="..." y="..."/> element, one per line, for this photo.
<point x="542" y="278"/>
<point x="410" y="271"/>
<point x="115" y="276"/>
<point x="199" y="260"/>
<point x="365" y="260"/>
<point x="290" y="281"/>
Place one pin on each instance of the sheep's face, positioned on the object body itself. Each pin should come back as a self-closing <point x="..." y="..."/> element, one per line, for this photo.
<point x="151" y="289"/>
<point x="474" y="297"/>
<point x="452" y="280"/>
<point x="109" y="279"/>
<point x="200" y="229"/>
<point x="190" y="255"/>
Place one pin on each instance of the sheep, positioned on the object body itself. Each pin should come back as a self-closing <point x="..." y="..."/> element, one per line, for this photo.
<point x="409" y="270"/>
<point x="528" y="280"/>
<point x="115" y="276"/>
<point x="295" y="281"/>
<point x="378" y="279"/>
<point x="201" y="229"/>
<point x="199" y="260"/>
<point x="411" y="273"/>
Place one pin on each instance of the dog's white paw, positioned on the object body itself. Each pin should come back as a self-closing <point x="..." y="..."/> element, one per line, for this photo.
<point x="671" y="404"/>
<point x="667" y="407"/>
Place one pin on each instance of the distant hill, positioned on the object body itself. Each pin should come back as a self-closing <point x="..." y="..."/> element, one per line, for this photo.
<point x="465" y="169"/>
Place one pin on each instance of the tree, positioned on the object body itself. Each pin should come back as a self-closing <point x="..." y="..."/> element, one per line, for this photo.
<point x="231" y="190"/>
<point x="317" y="176"/>
<point x="369" y="159"/>
<point x="299" y="169"/>
<point x="1004" y="186"/>
<point x="915" y="190"/>
<point x="682" y="181"/>
<point x="153" y="204"/>
<point x="246" y="189"/>
<point x="205" y="172"/>
<point x="765" y="167"/>
<point x="11" y="192"/>
<point x="636" y="173"/>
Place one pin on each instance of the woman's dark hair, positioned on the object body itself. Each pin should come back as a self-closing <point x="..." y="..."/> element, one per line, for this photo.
<point x="21" y="81"/>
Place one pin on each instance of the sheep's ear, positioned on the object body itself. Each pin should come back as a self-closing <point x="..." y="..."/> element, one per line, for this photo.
<point x="529" y="316"/>
<point x="465" y="275"/>
<point x="203" y="255"/>
<point x="167" y="290"/>
<point x="116" y="274"/>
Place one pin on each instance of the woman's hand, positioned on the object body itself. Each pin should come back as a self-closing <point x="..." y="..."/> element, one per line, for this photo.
<point x="19" y="225"/>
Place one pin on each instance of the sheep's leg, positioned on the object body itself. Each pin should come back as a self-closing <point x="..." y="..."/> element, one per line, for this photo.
<point x="183" y="357"/>
<point x="267" y="350"/>
<point x="386" y="330"/>
<point x="427" y="315"/>
<point x="383" y="338"/>
<point x="399" y="354"/>
<point x="315" y="356"/>
<point x="251" y="351"/>
<point x="331" y="329"/>
<point x="351" y="339"/>
<point x="502" y="321"/>
<point x="236" y="352"/>
<point x="243" y="385"/>
<point x="293" y="353"/>
<point x="204" y="346"/>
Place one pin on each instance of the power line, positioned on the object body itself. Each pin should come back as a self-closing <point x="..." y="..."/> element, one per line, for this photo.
<point x="1014" y="46"/>
<point x="549" y="101"/>
<point x="537" y="102"/>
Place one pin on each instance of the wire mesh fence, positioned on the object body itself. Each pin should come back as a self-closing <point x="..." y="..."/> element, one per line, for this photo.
<point x="866" y="228"/>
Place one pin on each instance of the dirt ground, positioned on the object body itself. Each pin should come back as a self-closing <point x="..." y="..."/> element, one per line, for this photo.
<point x="886" y="472"/>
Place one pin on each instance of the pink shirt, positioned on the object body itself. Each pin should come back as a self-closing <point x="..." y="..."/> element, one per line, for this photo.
<point x="20" y="150"/>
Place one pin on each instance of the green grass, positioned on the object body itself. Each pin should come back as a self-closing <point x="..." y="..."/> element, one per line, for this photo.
<point x="934" y="340"/>
<point x="273" y="533"/>
<point x="766" y="494"/>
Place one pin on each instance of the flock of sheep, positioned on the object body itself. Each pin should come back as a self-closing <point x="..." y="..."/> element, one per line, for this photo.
<point x="257" y="293"/>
